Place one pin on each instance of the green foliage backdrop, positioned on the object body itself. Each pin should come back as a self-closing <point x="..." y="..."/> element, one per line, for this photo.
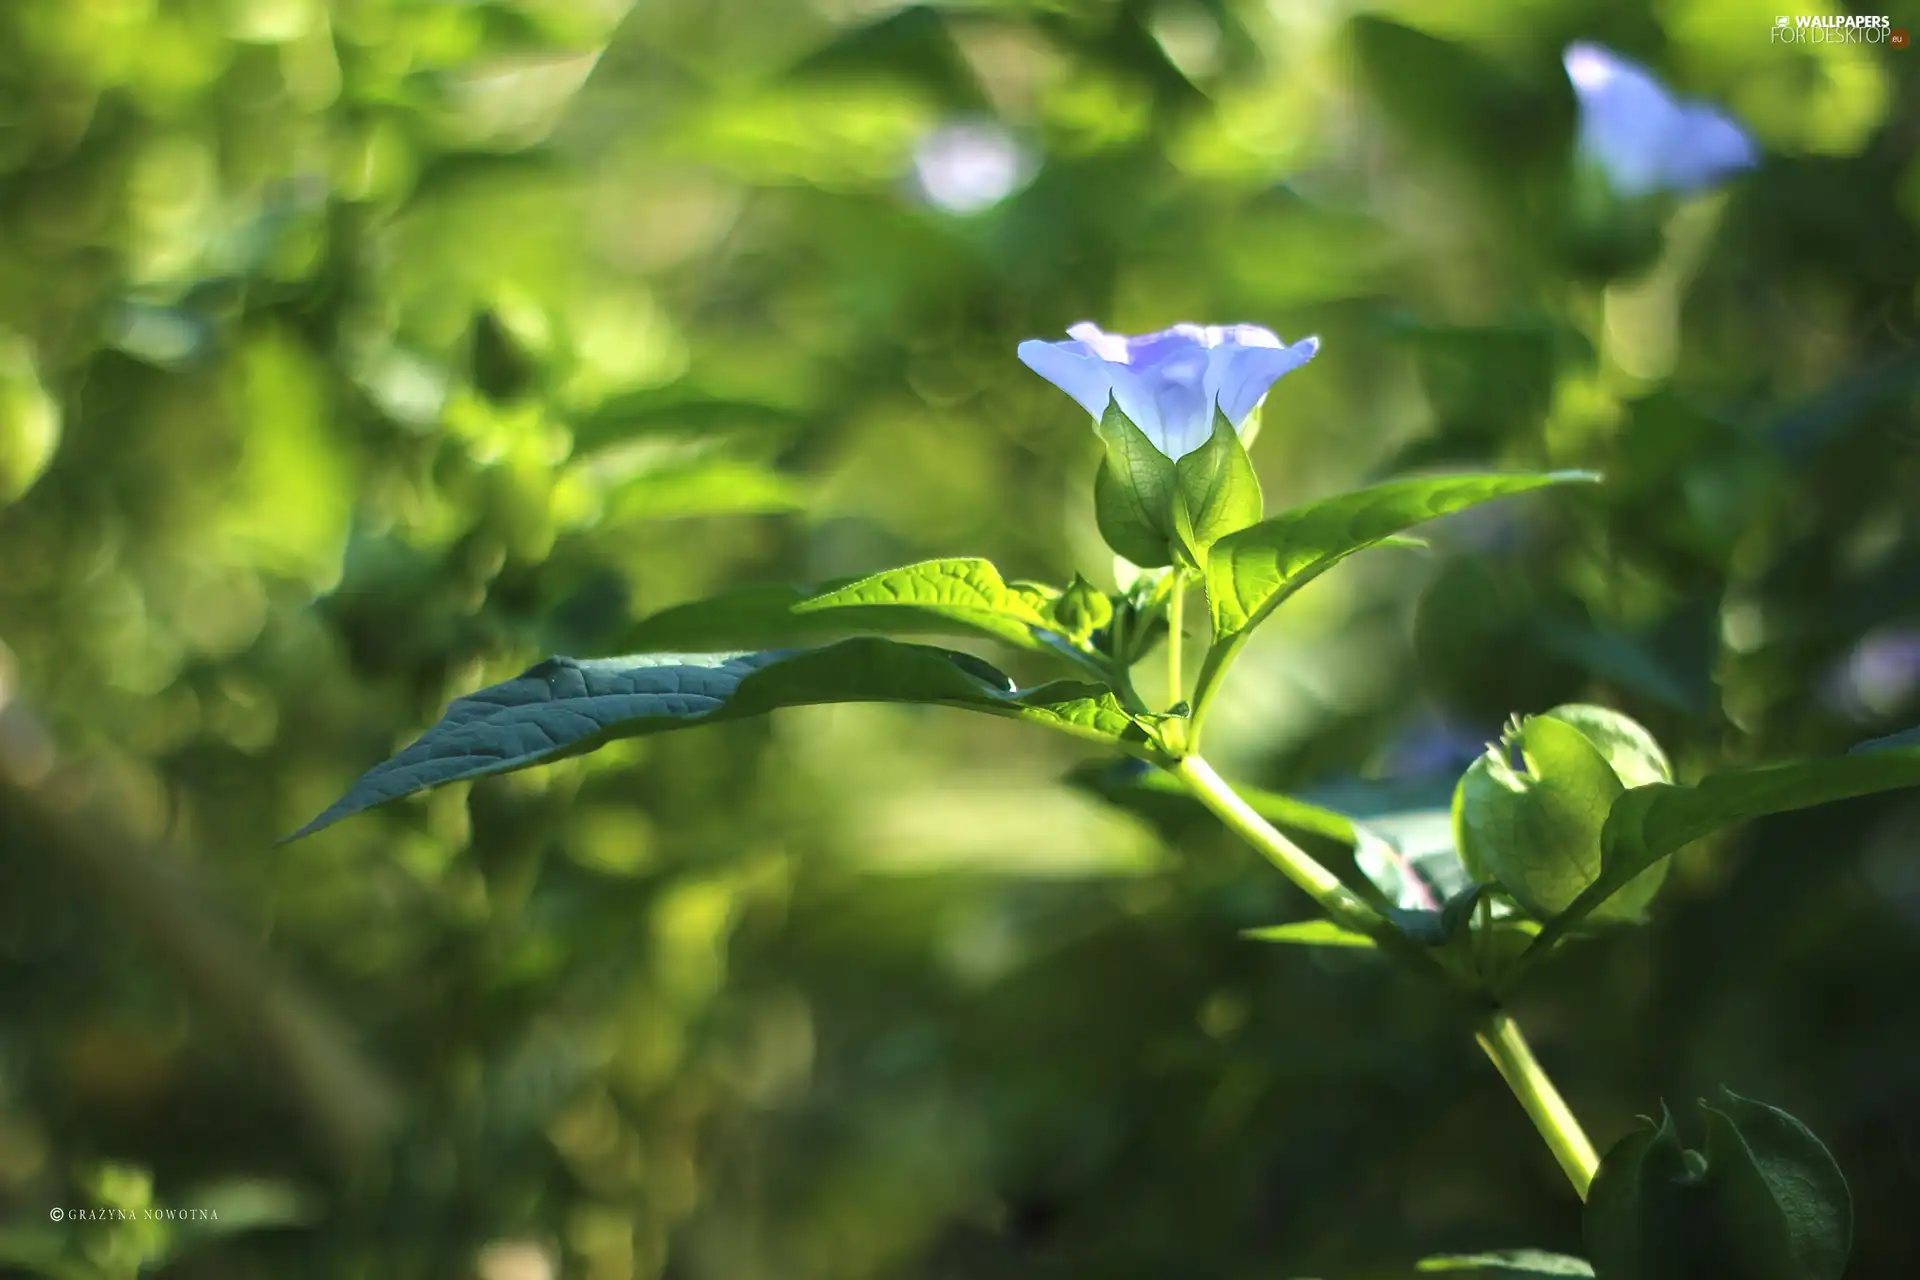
<point x="354" y="355"/>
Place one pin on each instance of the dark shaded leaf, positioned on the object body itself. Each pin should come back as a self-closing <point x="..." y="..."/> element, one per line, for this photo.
<point x="569" y="706"/>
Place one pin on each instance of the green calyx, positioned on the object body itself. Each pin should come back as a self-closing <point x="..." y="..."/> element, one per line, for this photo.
<point x="1536" y="830"/>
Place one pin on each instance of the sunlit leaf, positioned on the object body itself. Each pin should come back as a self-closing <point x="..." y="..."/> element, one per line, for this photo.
<point x="1310" y="933"/>
<point x="959" y="595"/>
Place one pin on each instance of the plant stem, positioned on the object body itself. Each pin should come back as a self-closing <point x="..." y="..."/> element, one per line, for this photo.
<point x="1500" y="1039"/>
<point x="1320" y="884"/>
<point x="1176" y="607"/>
<point x="1498" y="1035"/>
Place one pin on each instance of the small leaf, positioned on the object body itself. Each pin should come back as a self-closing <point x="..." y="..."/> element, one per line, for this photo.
<point x="568" y="706"/>
<point x="1643" y="1207"/>
<point x="1082" y="609"/>
<point x="1219" y="493"/>
<point x="1777" y="1185"/>
<point x="1526" y="1262"/>
<point x="1134" y="493"/>
<point x="945" y="595"/>
<point x="1437" y="928"/>
<point x="1310" y="933"/>
<point x="1650" y="823"/>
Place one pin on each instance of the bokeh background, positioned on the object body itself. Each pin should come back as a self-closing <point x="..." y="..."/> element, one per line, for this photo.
<point x="355" y="354"/>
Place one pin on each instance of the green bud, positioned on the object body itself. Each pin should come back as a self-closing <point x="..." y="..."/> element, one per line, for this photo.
<point x="1536" y="831"/>
<point x="1083" y="609"/>
<point x="1765" y="1201"/>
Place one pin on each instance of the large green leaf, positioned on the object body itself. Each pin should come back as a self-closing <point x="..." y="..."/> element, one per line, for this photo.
<point x="945" y="595"/>
<point x="1764" y="1201"/>
<point x="569" y="706"/>
<point x="1652" y="822"/>
<point x="1249" y="573"/>
<point x="1252" y="571"/>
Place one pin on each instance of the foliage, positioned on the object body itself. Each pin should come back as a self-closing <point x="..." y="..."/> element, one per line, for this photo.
<point x="357" y="357"/>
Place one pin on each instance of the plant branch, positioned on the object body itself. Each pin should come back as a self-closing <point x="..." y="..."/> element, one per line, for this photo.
<point x="1500" y="1039"/>
<point x="1320" y="884"/>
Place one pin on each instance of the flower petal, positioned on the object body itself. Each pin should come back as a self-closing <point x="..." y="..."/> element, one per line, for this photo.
<point x="1248" y="372"/>
<point x="1108" y="346"/>
<point x="1181" y="395"/>
<point x="1150" y="350"/>
<point x="1134" y="393"/>
<point x="1074" y="368"/>
<point x="1242" y="335"/>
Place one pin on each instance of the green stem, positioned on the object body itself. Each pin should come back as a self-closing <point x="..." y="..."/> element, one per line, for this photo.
<point x="1500" y="1039"/>
<point x="1176" y="607"/>
<point x="1320" y="884"/>
<point x="1498" y="1035"/>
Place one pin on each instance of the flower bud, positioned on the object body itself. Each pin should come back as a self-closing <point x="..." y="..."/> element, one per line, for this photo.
<point x="1083" y="609"/>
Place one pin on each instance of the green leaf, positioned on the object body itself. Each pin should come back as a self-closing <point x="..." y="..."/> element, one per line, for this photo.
<point x="712" y="487"/>
<point x="1650" y="823"/>
<point x="1777" y="1186"/>
<point x="1526" y="1262"/>
<point x="1644" y="1207"/>
<point x="1249" y="573"/>
<point x="945" y="595"/>
<point x="1134" y="493"/>
<point x="1892" y="742"/>
<point x="760" y="616"/>
<point x="569" y="706"/>
<point x="1764" y="1202"/>
<point x="1310" y="933"/>
<point x="935" y="597"/>
<point x="1218" y="491"/>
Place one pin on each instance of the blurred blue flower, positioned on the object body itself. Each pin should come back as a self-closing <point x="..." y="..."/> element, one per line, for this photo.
<point x="969" y="168"/>
<point x="1644" y="138"/>
<point x="1878" y="678"/>
<point x="1435" y="746"/>
<point x="1168" y="383"/>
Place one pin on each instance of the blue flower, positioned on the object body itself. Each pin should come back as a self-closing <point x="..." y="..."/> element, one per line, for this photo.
<point x="1644" y="138"/>
<point x="1168" y="384"/>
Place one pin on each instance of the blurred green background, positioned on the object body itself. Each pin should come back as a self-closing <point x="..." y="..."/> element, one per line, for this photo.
<point x="356" y="354"/>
